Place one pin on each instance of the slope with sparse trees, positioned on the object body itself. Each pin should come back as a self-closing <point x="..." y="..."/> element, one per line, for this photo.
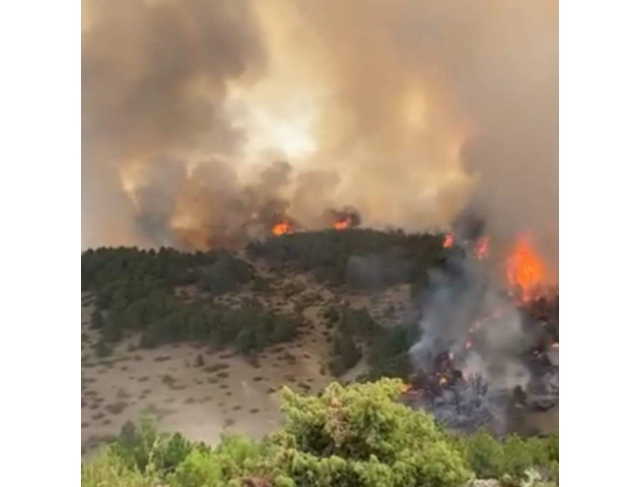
<point x="166" y="295"/>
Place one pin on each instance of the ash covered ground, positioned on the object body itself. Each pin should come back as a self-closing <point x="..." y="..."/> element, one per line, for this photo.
<point x="489" y="347"/>
<point x="468" y="391"/>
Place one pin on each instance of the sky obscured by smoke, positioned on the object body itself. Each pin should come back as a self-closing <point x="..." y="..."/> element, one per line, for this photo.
<point x="204" y="122"/>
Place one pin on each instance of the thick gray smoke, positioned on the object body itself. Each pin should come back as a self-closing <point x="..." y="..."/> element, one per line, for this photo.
<point x="161" y="146"/>
<point x="154" y="82"/>
<point x="397" y="89"/>
<point x="470" y="324"/>
<point x="472" y="404"/>
<point x="502" y="59"/>
<point x="466" y="314"/>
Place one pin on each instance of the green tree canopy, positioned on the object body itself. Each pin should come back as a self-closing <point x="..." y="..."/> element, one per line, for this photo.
<point x="352" y="436"/>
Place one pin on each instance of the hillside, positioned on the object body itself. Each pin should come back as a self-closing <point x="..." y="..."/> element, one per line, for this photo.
<point x="204" y="340"/>
<point x="212" y="335"/>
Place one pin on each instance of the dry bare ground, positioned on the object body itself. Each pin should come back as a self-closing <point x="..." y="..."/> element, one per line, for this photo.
<point x="226" y="392"/>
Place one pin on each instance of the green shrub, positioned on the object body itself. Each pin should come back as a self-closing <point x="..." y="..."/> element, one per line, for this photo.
<point x="199" y="468"/>
<point x="109" y="470"/>
<point x="351" y="436"/>
<point x="485" y="455"/>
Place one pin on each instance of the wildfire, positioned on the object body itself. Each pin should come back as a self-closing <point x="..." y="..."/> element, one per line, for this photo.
<point x="448" y="241"/>
<point x="526" y="271"/>
<point x="341" y="219"/>
<point x="443" y="375"/>
<point x="342" y="224"/>
<point x="475" y="326"/>
<point x="281" y="228"/>
<point x="481" y="249"/>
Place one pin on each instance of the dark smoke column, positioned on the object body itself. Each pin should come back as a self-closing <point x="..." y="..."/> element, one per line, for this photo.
<point x="154" y="86"/>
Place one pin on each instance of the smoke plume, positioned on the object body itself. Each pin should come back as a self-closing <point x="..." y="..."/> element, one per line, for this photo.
<point x="468" y="314"/>
<point x="409" y="111"/>
<point x="469" y="324"/>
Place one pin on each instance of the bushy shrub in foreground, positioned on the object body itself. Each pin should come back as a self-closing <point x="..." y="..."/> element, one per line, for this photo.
<point x="352" y="436"/>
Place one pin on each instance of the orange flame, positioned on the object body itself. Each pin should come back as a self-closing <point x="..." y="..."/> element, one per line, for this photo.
<point x="481" y="249"/>
<point x="342" y="224"/>
<point x="526" y="271"/>
<point x="281" y="229"/>
<point x="448" y="241"/>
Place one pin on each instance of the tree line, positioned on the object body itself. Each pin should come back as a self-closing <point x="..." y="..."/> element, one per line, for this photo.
<point x="135" y="291"/>
<point x="330" y="255"/>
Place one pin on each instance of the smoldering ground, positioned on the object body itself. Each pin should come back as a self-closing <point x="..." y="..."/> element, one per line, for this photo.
<point x="471" y="322"/>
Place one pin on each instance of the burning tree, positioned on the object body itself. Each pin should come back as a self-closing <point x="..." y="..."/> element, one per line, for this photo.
<point x="347" y="217"/>
<point x="485" y="347"/>
<point x="526" y="272"/>
<point x="282" y="228"/>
